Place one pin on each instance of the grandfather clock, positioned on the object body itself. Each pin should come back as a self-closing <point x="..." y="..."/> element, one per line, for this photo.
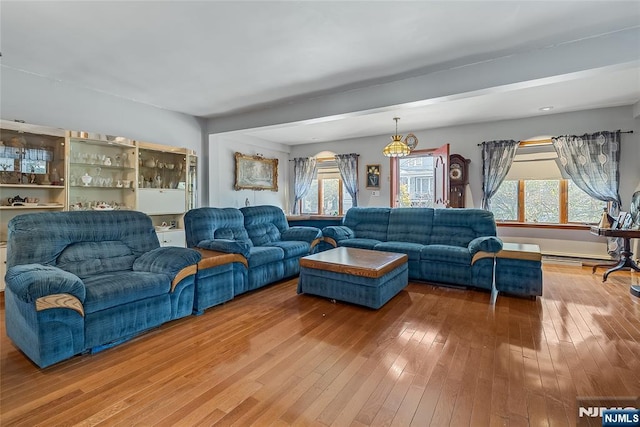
<point x="458" y="179"/>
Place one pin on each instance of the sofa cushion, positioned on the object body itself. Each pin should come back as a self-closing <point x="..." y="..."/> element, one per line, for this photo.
<point x="458" y="227"/>
<point x="412" y="250"/>
<point x="86" y="259"/>
<point x="447" y="254"/>
<point x="292" y="248"/>
<point x="338" y="232"/>
<point x="263" y="234"/>
<point x="42" y="237"/>
<point x="226" y="246"/>
<point x="264" y="223"/>
<point x="167" y="260"/>
<point x="301" y="233"/>
<point x="368" y="223"/>
<point x="112" y="289"/>
<point x="260" y="255"/>
<point x="360" y="243"/>
<point x="239" y="234"/>
<point x="214" y="223"/>
<point x="223" y="233"/>
<point x="410" y="225"/>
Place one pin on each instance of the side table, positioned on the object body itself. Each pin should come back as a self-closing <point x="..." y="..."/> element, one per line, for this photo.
<point x="625" y="256"/>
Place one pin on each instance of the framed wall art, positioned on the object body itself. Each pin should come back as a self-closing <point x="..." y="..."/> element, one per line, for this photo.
<point x="256" y="173"/>
<point x="373" y="177"/>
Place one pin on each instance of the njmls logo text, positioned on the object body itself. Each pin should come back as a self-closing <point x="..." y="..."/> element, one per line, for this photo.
<point x="611" y="411"/>
<point x="625" y="417"/>
<point x="593" y="411"/>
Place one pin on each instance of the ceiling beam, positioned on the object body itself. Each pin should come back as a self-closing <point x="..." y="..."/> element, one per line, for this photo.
<point x="554" y="63"/>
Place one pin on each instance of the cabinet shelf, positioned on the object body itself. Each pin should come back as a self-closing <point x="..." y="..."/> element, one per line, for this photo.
<point x="99" y="187"/>
<point x="175" y="169"/>
<point x="125" y="143"/>
<point x="97" y="165"/>
<point x="54" y="187"/>
<point x="31" y="207"/>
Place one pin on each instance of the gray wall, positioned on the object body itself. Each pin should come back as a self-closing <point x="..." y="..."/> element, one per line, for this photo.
<point x="464" y="139"/>
<point x="222" y="149"/>
<point x="42" y="101"/>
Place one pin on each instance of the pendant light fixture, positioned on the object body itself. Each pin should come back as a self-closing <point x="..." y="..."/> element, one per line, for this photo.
<point x="397" y="147"/>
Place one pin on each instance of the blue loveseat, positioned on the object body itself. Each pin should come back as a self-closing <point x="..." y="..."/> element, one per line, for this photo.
<point x="440" y="243"/>
<point x="79" y="281"/>
<point x="269" y="248"/>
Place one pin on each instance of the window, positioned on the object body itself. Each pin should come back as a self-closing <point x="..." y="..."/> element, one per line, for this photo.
<point x="534" y="191"/>
<point x="415" y="179"/>
<point x="542" y="201"/>
<point x="581" y="207"/>
<point x="327" y="195"/>
<point x="502" y="203"/>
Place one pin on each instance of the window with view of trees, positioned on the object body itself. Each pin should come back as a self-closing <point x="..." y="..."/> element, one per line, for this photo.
<point x="327" y="195"/>
<point x="535" y="192"/>
<point x="415" y="181"/>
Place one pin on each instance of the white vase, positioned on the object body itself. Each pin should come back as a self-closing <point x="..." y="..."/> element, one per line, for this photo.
<point x="86" y="179"/>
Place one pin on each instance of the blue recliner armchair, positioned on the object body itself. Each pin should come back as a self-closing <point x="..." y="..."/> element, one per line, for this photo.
<point x="79" y="281"/>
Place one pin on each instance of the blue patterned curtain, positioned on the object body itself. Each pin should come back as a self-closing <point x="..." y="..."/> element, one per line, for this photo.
<point x="497" y="157"/>
<point x="304" y="171"/>
<point x="348" y="167"/>
<point x="592" y="161"/>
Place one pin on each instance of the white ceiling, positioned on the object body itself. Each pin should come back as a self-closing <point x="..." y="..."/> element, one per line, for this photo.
<point x="219" y="59"/>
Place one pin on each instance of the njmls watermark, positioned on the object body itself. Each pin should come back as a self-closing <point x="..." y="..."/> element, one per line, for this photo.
<point x="609" y="411"/>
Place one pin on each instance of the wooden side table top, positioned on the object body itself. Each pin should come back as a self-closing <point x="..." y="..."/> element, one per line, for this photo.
<point x="526" y="251"/>
<point x="356" y="262"/>
<point x="613" y="232"/>
<point x="215" y="258"/>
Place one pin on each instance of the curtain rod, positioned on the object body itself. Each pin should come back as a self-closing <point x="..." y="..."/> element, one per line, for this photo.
<point x="293" y="160"/>
<point x="545" y="140"/>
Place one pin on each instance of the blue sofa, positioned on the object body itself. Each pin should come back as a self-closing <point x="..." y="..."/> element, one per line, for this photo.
<point x="84" y="281"/>
<point x="440" y="243"/>
<point x="269" y="247"/>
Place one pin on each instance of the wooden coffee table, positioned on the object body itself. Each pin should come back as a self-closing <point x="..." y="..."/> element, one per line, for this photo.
<point x="359" y="276"/>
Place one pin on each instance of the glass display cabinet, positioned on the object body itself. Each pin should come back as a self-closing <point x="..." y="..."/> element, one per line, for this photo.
<point x="192" y="183"/>
<point x="102" y="172"/>
<point x="44" y="168"/>
<point x="32" y="170"/>
<point x="165" y="177"/>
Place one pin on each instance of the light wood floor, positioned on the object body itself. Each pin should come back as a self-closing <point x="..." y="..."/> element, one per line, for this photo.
<point x="431" y="356"/>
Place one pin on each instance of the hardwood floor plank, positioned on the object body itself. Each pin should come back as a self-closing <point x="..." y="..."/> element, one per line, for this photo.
<point x="407" y="409"/>
<point x="230" y="418"/>
<point x="481" y="412"/>
<point x="430" y="356"/>
<point x="430" y="396"/>
<point x="516" y="400"/>
<point x="537" y="410"/>
<point x="393" y="401"/>
<point x="464" y="402"/>
<point x="272" y="413"/>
